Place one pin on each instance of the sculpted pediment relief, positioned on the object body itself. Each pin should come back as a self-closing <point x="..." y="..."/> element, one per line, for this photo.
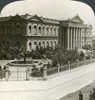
<point x="17" y="17"/>
<point x="36" y="18"/>
<point x="77" y="19"/>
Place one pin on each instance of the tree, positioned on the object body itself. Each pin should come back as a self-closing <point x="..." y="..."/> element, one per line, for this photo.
<point x="87" y="47"/>
<point x="17" y="50"/>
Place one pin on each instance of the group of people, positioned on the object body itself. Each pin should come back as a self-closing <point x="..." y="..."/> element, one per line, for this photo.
<point x="91" y="95"/>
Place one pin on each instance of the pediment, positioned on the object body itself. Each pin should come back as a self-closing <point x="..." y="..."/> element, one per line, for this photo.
<point x="36" y="18"/>
<point x="17" y="17"/>
<point x="77" y="19"/>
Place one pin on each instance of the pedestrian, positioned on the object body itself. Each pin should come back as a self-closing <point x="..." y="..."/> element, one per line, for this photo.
<point x="80" y="96"/>
<point x="90" y="96"/>
<point x="0" y="68"/>
<point x="93" y="93"/>
<point x="4" y="68"/>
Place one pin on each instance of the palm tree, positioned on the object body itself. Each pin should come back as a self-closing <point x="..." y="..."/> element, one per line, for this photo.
<point x="17" y="50"/>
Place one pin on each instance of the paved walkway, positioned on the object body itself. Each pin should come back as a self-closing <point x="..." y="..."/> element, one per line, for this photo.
<point x="52" y="89"/>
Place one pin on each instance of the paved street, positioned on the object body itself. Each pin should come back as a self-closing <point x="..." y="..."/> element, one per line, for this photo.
<point x="85" y="91"/>
<point x="52" y="89"/>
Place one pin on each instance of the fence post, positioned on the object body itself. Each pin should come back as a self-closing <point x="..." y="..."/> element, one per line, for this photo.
<point x="27" y="73"/>
<point x="77" y="61"/>
<point x="84" y="61"/>
<point x="45" y="72"/>
<point x="58" y="68"/>
<point x="7" y="73"/>
<point x="90" y="59"/>
<point x="17" y="74"/>
<point x="69" y="65"/>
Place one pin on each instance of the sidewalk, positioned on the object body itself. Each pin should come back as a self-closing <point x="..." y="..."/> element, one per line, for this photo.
<point x="52" y="89"/>
<point x="75" y="96"/>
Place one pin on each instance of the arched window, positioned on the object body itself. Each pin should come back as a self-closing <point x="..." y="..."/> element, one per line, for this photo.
<point x="55" y="31"/>
<point x="47" y="30"/>
<point x="51" y="30"/>
<point x="43" y="29"/>
<point x="39" y="46"/>
<point x="8" y="29"/>
<point x="51" y="45"/>
<point x="30" y="28"/>
<point x="43" y="43"/>
<point x="39" y="43"/>
<point x="39" y="30"/>
<point x="35" y="30"/>
<point x="47" y="45"/>
<point x="35" y="45"/>
<point x="3" y="29"/>
<point x="55" y="44"/>
<point x="30" y="45"/>
<point x="18" y="29"/>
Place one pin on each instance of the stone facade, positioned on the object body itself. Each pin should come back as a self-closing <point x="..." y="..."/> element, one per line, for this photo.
<point x="34" y="31"/>
<point x="29" y="31"/>
<point x="75" y="34"/>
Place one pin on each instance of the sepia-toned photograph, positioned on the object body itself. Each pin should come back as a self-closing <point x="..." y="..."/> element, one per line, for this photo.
<point x="47" y="50"/>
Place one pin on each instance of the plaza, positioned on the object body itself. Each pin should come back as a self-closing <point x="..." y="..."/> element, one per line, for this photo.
<point x="69" y="82"/>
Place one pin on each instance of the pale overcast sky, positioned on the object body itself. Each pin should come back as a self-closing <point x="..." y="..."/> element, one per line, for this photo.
<point x="57" y="9"/>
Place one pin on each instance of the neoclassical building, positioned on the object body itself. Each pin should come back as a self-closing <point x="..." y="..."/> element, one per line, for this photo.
<point x="38" y="32"/>
<point x="29" y="31"/>
<point x="74" y="33"/>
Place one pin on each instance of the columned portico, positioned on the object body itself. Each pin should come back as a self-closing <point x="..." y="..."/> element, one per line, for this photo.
<point x="73" y="38"/>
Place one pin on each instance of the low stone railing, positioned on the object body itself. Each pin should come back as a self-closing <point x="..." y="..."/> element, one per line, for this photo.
<point x="69" y="66"/>
<point x="53" y="71"/>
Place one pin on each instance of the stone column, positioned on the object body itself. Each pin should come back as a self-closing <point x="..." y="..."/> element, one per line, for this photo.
<point x="80" y="38"/>
<point x="71" y="39"/>
<point x="74" y="38"/>
<point x="68" y="32"/>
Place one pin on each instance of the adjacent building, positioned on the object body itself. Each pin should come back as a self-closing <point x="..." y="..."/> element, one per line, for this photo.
<point x="38" y="32"/>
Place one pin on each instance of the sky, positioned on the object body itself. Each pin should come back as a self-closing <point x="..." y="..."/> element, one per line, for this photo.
<point x="57" y="9"/>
